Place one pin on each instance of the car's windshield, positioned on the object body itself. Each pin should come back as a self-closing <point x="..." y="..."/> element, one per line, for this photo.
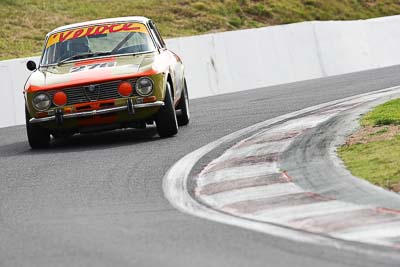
<point x="94" y="41"/>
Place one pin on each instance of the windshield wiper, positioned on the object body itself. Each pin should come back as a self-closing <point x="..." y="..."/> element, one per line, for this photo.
<point x="85" y="55"/>
<point x="120" y="44"/>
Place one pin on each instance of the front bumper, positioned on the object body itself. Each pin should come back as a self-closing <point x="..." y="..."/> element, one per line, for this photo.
<point x="97" y="112"/>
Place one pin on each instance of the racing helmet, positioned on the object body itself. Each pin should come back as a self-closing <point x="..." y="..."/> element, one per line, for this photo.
<point x="78" y="45"/>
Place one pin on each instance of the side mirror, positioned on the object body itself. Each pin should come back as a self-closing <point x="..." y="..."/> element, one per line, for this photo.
<point x="31" y="65"/>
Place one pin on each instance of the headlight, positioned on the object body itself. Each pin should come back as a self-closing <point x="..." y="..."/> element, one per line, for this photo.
<point x="41" y="101"/>
<point x="144" y="86"/>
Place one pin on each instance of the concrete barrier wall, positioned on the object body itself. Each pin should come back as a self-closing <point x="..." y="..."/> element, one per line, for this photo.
<point x="13" y="74"/>
<point x="240" y="60"/>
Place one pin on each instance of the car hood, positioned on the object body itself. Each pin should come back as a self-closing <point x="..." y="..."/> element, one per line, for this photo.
<point x="92" y="71"/>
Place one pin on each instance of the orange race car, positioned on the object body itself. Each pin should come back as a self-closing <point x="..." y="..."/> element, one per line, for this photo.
<point x="103" y="75"/>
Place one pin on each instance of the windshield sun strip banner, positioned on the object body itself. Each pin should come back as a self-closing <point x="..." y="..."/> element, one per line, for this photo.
<point x="95" y="30"/>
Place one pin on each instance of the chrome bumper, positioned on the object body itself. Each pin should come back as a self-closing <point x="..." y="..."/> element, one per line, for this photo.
<point x="97" y="112"/>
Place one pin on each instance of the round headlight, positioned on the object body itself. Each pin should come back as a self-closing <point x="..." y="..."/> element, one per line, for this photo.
<point x="144" y="86"/>
<point x="41" y="101"/>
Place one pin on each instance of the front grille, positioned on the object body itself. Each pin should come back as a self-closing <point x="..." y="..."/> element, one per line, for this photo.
<point x="103" y="91"/>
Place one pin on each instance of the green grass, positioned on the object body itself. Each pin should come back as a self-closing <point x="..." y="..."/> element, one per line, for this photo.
<point x="25" y="22"/>
<point x="378" y="162"/>
<point x="386" y="114"/>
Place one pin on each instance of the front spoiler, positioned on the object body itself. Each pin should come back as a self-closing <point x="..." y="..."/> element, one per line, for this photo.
<point x="97" y="112"/>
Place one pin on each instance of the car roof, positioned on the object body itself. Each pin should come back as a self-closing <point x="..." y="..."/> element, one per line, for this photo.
<point x="98" y="22"/>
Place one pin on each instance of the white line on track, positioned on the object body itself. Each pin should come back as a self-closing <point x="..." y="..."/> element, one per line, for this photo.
<point x="269" y="191"/>
<point x="233" y="173"/>
<point x="371" y="232"/>
<point x="255" y="150"/>
<point x="284" y="215"/>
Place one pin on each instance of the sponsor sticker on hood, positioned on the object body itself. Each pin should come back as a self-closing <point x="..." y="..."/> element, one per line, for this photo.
<point x="95" y="30"/>
<point x="93" y="66"/>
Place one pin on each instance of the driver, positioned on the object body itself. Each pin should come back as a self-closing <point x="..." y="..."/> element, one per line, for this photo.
<point x="75" y="47"/>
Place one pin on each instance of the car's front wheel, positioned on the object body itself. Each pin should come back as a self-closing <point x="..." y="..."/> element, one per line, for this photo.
<point x="183" y="107"/>
<point x="166" y="121"/>
<point x="38" y="136"/>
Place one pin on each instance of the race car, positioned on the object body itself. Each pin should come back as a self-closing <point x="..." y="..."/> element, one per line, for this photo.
<point x="104" y="75"/>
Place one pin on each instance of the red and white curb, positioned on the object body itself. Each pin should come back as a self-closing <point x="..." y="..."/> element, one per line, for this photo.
<point x="246" y="187"/>
<point x="246" y="181"/>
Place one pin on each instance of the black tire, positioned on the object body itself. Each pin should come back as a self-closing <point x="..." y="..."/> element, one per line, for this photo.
<point x="183" y="107"/>
<point x="38" y="136"/>
<point x="166" y="121"/>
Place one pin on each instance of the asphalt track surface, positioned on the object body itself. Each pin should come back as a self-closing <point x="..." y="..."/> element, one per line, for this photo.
<point x="97" y="199"/>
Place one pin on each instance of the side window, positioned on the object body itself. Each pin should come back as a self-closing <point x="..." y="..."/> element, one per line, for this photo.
<point x="160" y="42"/>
